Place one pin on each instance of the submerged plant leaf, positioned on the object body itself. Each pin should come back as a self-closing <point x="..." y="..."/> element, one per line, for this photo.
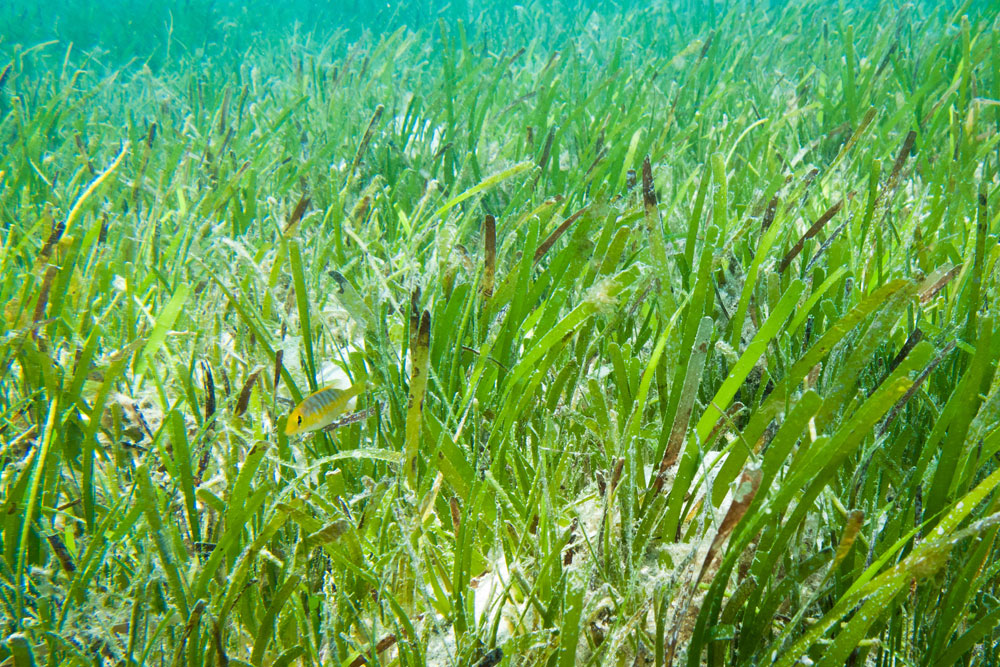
<point x="670" y="329"/>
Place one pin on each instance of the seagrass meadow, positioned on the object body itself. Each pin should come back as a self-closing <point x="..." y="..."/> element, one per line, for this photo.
<point x="670" y="333"/>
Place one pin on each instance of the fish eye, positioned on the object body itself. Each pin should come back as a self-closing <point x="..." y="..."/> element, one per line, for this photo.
<point x="299" y="420"/>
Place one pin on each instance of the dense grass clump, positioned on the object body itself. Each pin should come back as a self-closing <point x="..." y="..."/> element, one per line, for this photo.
<point x="674" y="328"/>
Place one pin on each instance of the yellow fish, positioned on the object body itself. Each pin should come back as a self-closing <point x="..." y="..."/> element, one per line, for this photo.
<point x="320" y="408"/>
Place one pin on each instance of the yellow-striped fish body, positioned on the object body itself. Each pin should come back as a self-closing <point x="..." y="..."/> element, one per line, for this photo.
<point x="320" y="408"/>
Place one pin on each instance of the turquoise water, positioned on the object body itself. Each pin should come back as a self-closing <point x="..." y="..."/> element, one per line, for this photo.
<point x="120" y="31"/>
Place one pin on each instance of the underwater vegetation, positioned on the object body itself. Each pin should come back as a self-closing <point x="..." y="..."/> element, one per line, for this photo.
<point x="541" y="334"/>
